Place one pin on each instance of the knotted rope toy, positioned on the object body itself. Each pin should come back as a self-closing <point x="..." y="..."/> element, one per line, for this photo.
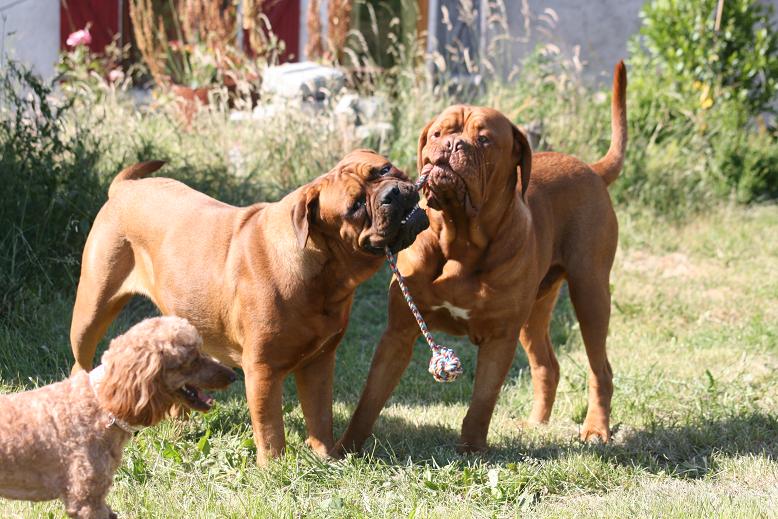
<point x="444" y="363"/>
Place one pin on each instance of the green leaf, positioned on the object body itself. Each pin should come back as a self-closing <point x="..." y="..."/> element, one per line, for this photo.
<point x="204" y="445"/>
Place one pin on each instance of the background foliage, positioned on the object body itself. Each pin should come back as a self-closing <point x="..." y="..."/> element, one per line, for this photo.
<point x="699" y="103"/>
<point x="703" y="102"/>
<point x="51" y="191"/>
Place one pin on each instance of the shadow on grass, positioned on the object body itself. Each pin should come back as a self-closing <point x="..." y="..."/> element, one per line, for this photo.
<point x="686" y="452"/>
<point x="367" y="324"/>
<point x="682" y="451"/>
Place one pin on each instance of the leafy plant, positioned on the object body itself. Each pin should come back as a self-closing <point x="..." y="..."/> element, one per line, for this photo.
<point x="737" y="60"/>
<point x="81" y="70"/>
<point x="50" y="190"/>
<point x="190" y="65"/>
<point x="695" y="101"/>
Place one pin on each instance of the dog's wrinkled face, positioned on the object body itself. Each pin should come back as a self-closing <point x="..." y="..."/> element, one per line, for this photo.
<point x="471" y="153"/>
<point x="156" y="365"/>
<point x="364" y="203"/>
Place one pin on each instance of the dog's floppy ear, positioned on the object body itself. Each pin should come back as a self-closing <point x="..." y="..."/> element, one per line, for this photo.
<point x="522" y="155"/>
<point x="132" y="388"/>
<point x="422" y="143"/>
<point x="304" y="214"/>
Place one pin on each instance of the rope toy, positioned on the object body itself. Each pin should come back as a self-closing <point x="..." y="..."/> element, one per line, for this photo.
<point x="444" y="366"/>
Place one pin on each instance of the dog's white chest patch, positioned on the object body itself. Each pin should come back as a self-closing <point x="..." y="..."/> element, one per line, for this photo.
<point x="455" y="311"/>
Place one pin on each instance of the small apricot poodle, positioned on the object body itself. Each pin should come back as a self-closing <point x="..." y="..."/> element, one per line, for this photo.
<point x="65" y="440"/>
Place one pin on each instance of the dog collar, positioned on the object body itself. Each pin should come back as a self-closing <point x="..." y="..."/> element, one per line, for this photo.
<point x="95" y="378"/>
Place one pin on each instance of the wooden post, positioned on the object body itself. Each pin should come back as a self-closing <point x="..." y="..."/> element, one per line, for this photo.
<point x="719" y="13"/>
<point x="422" y="20"/>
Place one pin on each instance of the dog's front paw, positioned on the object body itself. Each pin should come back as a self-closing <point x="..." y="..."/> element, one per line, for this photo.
<point x="471" y="447"/>
<point x="594" y="431"/>
<point x="319" y="447"/>
<point x="337" y="452"/>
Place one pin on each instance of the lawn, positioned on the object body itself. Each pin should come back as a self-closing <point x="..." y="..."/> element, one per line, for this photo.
<point x="694" y="347"/>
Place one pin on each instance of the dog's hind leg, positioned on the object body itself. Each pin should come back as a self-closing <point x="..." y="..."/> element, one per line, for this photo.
<point x="106" y="264"/>
<point x="590" y="294"/>
<point x="543" y="364"/>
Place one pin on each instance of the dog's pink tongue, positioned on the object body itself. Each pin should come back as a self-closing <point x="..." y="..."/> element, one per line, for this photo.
<point x="205" y="397"/>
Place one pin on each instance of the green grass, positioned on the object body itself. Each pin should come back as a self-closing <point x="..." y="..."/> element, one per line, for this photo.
<point x="694" y="347"/>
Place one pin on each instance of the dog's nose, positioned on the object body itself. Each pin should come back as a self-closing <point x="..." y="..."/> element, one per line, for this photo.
<point x="454" y="144"/>
<point x="390" y="196"/>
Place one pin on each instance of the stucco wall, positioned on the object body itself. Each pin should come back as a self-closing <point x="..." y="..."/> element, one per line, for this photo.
<point x="29" y="32"/>
<point x="599" y="28"/>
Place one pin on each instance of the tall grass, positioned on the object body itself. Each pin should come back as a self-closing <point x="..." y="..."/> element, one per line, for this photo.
<point x="50" y="191"/>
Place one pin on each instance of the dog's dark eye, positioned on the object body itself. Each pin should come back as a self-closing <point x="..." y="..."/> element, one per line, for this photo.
<point x="386" y="169"/>
<point x="359" y="204"/>
<point x="483" y="139"/>
<point x="436" y="134"/>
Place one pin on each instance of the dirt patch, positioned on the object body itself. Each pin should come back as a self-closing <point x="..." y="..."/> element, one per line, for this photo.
<point x="673" y="265"/>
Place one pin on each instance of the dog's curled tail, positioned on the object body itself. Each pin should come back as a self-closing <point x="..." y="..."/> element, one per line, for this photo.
<point x="610" y="165"/>
<point x="139" y="170"/>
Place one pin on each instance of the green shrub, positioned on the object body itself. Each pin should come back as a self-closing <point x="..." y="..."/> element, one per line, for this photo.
<point x="755" y="156"/>
<point x="740" y="61"/>
<point x="50" y="190"/>
<point x="695" y="97"/>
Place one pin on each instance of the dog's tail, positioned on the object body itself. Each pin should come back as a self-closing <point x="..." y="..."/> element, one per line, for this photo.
<point x="139" y="170"/>
<point x="610" y="165"/>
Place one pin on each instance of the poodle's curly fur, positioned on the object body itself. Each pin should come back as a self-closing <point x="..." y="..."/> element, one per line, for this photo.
<point x="60" y="441"/>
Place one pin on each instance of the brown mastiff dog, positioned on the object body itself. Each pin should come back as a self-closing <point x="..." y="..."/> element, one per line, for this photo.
<point x="491" y="264"/>
<point x="269" y="287"/>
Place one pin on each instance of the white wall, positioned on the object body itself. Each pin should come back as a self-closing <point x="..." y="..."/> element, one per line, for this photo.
<point x="29" y="33"/>
<point x="303" y="34"/>
<point x="303" y="39"/>
<point x="599" y="28"/>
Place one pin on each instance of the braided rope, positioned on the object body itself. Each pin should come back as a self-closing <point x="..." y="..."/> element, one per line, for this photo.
<point x="444" y="365"/>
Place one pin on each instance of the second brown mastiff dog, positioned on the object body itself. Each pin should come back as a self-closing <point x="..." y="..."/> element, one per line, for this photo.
<point x="269" y="286"/>
<point x="491" y="264"/>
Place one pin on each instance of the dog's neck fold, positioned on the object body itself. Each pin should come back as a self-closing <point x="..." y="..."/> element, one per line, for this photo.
<point x="467" y="230"/>
<point x="96" y="377"/>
